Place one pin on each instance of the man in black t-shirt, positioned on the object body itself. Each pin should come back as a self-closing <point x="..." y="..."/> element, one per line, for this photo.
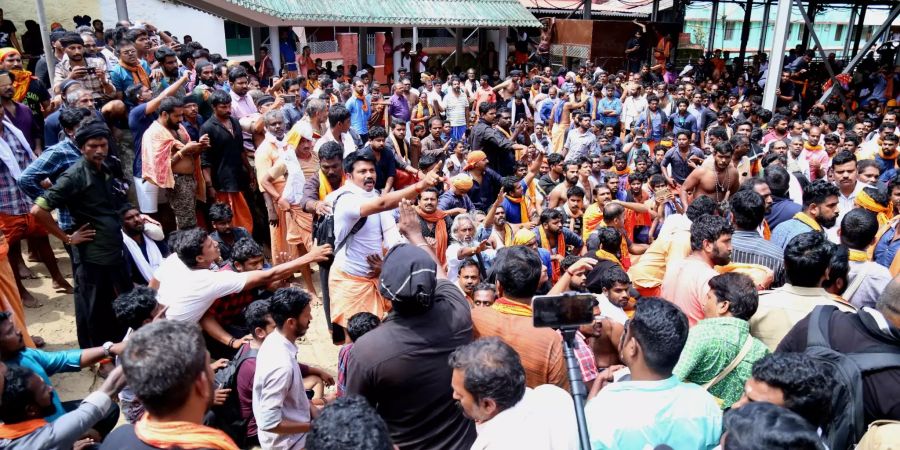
<point x="406" y="356"/>
<point x="8" y="33"/>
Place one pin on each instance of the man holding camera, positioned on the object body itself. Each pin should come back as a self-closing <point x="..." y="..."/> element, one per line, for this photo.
<point x="91" y="73"/>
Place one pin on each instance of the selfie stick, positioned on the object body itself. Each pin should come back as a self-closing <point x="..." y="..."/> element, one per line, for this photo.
<point x="579" y="390"/>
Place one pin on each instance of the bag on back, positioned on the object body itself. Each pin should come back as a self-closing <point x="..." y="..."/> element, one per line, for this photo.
<point x="847" y="424"/>
<point x="227" y="417"/>
<point x="323" y="230"/>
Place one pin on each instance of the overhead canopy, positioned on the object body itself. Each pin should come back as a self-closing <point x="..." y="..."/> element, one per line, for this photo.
<point x="604" y="8"/>
<point x="418" y="13"/>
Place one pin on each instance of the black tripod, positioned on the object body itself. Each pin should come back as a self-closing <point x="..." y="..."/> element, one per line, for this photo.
<point x="579" y="390"/>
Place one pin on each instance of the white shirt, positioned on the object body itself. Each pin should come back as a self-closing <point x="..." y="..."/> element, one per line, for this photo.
<point x="543" y="419"/>
<point x="453" y="262"/>
<point x="455" y="107"/>
<point x="845" y="205"/>
<point x="346" y="141"/>
<point x="608" y="309"/>
<point x="278" y="393"/>
<point x="632" y="108"/>
<point x="380" y="230"/>
<point x="189" y="293"/>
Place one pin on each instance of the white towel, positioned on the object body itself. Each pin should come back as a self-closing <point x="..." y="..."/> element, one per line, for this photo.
<point x="146" y="265"/>
<point x="6" y="154"/>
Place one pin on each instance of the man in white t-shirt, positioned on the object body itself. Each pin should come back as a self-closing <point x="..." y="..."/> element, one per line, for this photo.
<point x="188" y="287"/>
<point x="352" y="283"/>
<point x="338" y="130"/>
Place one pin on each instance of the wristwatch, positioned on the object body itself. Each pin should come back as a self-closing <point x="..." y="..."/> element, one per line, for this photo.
<point x="107" y="348"/>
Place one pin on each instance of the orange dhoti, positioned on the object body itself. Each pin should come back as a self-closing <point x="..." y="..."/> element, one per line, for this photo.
<point x="351" y="294"/>
<point x="239" y="207"/>
<point x="294" y="228"/>
<point x="10" y="301"/>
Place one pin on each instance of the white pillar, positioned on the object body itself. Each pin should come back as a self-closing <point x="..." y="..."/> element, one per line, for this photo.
<point x="45" y="34"/>
<point x="776" y="58"/>
<point x="121" y="10"/>
<point x="275" y="49"/>
<point x="502" y="50"/>
<point x="396" y="35"/>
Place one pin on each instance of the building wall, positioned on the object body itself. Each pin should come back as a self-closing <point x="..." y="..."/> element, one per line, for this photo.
<point x="179" y="20"/>
<point x="831" y="26"/>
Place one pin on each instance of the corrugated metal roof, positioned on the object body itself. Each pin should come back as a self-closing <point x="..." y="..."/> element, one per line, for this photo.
<point x="423" y="13"/>
<point x="614" y="8"/>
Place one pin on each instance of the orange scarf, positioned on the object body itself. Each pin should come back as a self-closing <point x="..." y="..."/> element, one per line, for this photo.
<point x="523" y="207"/>
<point x="620" y="173"/>
<point x="603" y="254"/>
<point x="312" y="85"/>
<point x="440" y="232"/>
<point x="508" y="238"/>
<point x="21" y="82"/>
<point x="560" y="250"/>
<point x="888" y="158"/>
<point x="884" y="213"/>
<point x="812" y="148"/>
<point x="13" y="431"/>
<point x="512" y="308"/>
<point x="592" y="218"/>
<point x="504" y="132"/>
<point x="186" y="435"/>
<point x="362" y="98"/>
<point x="809" y="221"/>
<point x="766" y="231"/>
<point x="138" y="74"/>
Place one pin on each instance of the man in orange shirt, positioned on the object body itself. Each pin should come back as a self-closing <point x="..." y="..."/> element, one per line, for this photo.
<point x="686" y="282"/>
<point x="518" y="271"/>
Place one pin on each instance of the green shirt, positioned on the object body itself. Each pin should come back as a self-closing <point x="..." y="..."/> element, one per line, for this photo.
<point x="711" y="345"/>
<point x="89" y="195"/>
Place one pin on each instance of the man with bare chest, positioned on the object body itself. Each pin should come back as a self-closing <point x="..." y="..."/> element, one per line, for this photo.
<point x="718" y="182"/>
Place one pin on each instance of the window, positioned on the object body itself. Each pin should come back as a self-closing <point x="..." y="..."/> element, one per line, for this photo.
<point x="794" y="31"/>
<point x="730" y="26"/>
<point x="237" y="39"/>
<point x="838" y="31"/>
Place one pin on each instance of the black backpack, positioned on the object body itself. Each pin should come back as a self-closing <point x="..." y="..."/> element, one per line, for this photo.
<point x="847" y="424"/>
<point x="323" y="230"/>
<point x="227" y="417"/>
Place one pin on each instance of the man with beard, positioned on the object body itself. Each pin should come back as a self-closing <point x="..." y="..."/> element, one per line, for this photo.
<point x="456" y="107"/>
<point x="225" y="165"/>
<point x="280" y="405"/>
<point x="557" y="240"/>
<point x="27" y="88"/>
<point x="686" y="283"/>
<point x="580" y="143"/>
<point x="74" y="66"/>
<point x="820" y="211"/>
<point x="468" y="276"/>
<point x="168" y="369"/>
<point x="573" y="210"/>
<point x="778" y="132"/>
<point x="637" y="222"/>
<point x="499" y="149"/>
<point x="465" y="246"/>
<point x="683" y="121"/>
<point x="719" y="182"/>
<point x="192" y="118"/>
<point x="435" y="223"/>
<point x="433" y="144"/>
<point x="683" y="159"/>
<point x="206" y="85"/>
<point x="360" y="212"/>
<point x="558" y="194"/>
<point x="242" y="105"/>
<point x="170" y="160"/>
<point x="168" y="62"/>
<point x="143" y="254"/>
<point x="360" y="108"/>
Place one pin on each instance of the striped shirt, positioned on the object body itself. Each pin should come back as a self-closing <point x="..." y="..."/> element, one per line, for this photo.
<point x="750" y="248"/>
<point x="455" y="107"/>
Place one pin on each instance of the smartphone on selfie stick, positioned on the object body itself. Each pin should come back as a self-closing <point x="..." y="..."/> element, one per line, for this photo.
<point x="566" y="312"/>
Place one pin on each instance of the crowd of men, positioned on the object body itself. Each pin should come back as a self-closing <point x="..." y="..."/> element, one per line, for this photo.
<point x="744" y="261"/>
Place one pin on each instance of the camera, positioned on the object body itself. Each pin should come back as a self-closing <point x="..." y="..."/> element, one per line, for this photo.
<point x="90" y="70"/>
<point x="289" y="98"/>
<point x="569" y="309"/>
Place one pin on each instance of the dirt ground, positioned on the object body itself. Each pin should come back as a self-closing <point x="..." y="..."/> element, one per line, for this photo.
<point x="55" y="322"/>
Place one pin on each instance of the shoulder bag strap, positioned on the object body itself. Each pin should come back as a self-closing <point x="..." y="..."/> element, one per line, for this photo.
<point x="819" y="325"/>
<point x="356" y="227"/>
<point x="748" y="344"/>
<point x="856" y="283"/>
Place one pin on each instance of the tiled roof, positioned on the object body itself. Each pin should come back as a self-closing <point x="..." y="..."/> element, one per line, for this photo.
<point x="423" y="13"/>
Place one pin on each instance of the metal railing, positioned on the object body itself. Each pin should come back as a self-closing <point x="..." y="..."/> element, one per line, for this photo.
<point x="323" y="46"/>
<point x="370" y="44"/>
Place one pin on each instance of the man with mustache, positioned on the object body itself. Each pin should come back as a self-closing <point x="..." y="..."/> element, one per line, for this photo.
<point x="820" y="211"/>
<point x="465" y="246"/>
<point x="74" y="66"/>
<point x="363" y="226"/>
